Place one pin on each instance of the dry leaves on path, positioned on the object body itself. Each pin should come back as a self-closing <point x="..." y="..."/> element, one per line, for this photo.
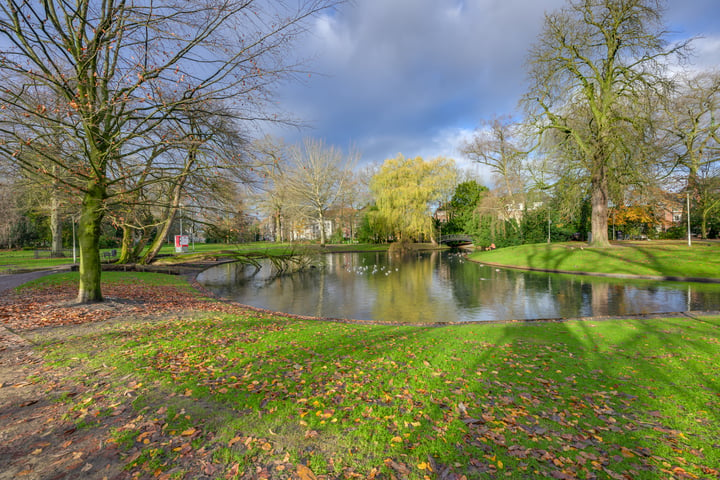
<point x="56" y="305"/>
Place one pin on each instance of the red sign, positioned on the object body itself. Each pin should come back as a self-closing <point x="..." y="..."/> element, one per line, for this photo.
<point x="181" y="243"/>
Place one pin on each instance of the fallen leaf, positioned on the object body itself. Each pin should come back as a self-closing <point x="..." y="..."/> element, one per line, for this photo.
<point x="305" y="473"/>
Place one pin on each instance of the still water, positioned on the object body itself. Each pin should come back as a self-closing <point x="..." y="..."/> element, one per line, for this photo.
<point x="434" y="287"/>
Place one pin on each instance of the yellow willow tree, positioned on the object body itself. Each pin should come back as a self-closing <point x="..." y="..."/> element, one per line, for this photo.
<point x="407" y="189"/>
<point x="122" y="69"/>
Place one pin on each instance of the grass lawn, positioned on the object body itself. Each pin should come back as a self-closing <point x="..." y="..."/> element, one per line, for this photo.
<point x="260" y="396"/>
<point x="656" y="258"/>
<point x="25" y="259"/>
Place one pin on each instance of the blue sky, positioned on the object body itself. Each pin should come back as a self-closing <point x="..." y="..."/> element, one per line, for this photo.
<point x="417" y="76"/>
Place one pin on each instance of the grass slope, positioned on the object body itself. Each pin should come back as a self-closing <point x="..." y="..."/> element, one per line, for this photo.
<point x="656" y="258"/>
<point x="268" y="397"/>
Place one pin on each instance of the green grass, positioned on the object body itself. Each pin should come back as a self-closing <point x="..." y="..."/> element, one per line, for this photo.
<point x="11" y="260"/>
<point x="108" y="278"/>
<point x="638" y="398"/>
<point x="654" y="258"/>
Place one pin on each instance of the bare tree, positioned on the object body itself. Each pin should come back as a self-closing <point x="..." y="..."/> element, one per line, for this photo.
<point x="122" y="69"/>
<point x="693" y="122"/>
<point x="316" y="179"/>
<point x="692" y="134"/>
<point x="500" y="146"/>
<point x="595" y="67"/>
<point x="269" y="160"/>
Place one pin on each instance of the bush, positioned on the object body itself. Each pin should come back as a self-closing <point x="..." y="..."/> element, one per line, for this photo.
<point x="107" y="241"/>
<point x="674" y="233"/>
<point x="336" y="237"/>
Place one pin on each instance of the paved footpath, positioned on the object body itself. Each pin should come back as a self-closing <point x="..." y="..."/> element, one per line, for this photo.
<point x="13" y="280"/>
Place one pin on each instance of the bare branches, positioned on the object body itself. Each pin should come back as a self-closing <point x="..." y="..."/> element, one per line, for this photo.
<point x="316" y="179"/>
<point x="120" y="80"/>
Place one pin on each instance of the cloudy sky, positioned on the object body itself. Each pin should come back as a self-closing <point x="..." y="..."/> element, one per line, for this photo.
<point x="417" y="76"/>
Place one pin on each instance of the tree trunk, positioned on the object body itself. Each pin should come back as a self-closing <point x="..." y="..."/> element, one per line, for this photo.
<point x="599" y="203"/>
<point x="140" y="244"/>
<point x="91" y="215"/>
<point x="55" y="227"/>
<point x="322" y="228"/>
<point x="278" y="228"/>
<point x="157" y="243"/>
<point x="126" y="245"/>
<point x="173" y="205"/>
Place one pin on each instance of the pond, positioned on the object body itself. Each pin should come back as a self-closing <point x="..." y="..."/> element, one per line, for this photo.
<point x="432" y="287"/>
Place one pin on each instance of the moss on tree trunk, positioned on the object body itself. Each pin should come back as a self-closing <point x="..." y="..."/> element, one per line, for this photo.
<point x="599" y="216"/>
<point x="91" y="215"/>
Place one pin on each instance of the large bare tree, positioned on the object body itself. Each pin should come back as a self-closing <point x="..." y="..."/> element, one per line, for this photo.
<point x="120" y="70"/>
<point x="316" y="179"/>
<point x="593" y="71"/>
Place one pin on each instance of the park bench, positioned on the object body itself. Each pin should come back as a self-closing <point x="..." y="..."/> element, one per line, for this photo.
<point x="111" y="254"/>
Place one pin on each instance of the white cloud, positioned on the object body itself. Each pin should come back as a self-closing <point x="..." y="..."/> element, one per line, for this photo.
<point x="706" y="53"/>
<point x="410" y="76"/>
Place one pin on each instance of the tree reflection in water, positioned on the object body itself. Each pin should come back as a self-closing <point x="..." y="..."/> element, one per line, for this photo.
<point x="445" y="287"/>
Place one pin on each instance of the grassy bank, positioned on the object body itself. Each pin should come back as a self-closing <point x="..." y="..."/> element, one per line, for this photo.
<point x="21" y="260"/>
<point x="255" y="395"/>
<point x="220" y="392"/>
<point x="565" y="400"/>
<point x="653" y="258"/>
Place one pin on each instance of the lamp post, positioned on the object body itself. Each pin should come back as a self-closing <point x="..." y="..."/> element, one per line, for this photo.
<point x="549" y="222"/>
<point x="74" y="219"/>
<point x="688" y="219"/>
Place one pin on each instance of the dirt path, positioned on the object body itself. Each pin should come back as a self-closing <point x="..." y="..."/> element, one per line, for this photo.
<point x="38" y="439"/>
<point x="43" y="433"/>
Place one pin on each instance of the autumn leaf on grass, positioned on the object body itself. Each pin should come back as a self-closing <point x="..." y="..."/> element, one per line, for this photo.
<point x="305" y="473"/>
<point x="682" y="473"/>
<point x="425" y="466"/>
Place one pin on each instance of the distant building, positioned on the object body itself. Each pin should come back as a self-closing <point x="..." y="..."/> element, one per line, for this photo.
<point x="516" y="211"/>
<point x="670" y="214"/>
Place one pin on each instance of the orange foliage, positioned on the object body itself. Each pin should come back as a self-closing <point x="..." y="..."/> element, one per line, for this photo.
<point x="633" y="215"/>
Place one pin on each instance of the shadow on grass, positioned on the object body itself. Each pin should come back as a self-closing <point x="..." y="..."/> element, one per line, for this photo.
<point x="635" y="394"/>
<point x="531" y="399"/>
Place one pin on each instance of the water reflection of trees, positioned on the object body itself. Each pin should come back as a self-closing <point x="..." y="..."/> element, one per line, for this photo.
<point x="436" y="288"/>
<point x="509" y="294"/>
<point x="414" y="296"/>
